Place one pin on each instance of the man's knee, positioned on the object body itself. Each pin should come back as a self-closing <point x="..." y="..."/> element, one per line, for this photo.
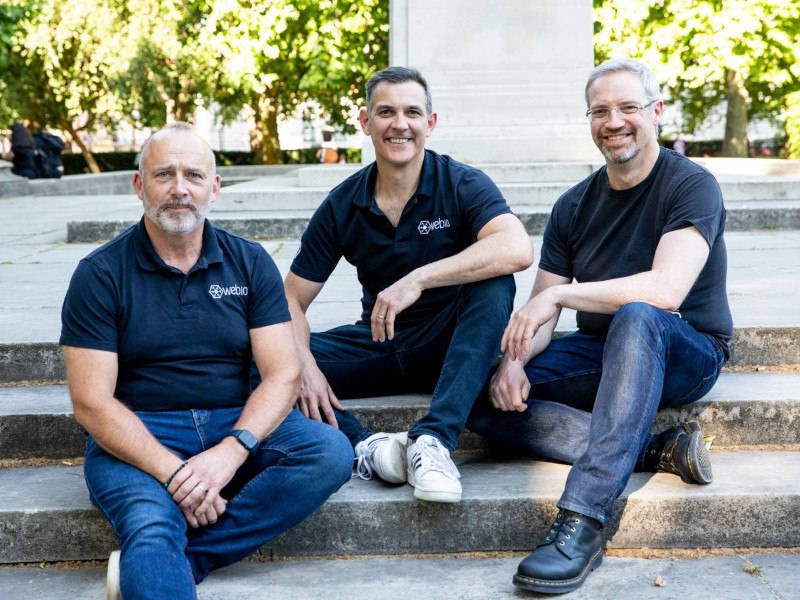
<point x="638" y="324"/>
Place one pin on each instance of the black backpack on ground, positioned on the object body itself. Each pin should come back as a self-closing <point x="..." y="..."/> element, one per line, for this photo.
<point x="48" y="155"/>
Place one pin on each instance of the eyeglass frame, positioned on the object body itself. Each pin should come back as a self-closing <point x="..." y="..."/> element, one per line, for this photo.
<point x="639" y="108"/>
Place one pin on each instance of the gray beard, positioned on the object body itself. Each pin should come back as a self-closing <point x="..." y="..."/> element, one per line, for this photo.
<point x="620" y="159"/>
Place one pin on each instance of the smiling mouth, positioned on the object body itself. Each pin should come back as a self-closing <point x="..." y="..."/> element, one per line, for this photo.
<point x="398" y="140"/>
<point x="616" y="137"/>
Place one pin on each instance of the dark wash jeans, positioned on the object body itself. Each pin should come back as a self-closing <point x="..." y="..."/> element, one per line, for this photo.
<point x="594" y="398"/>
<point x="448" y="356"/>
<point x="292" y="474"/>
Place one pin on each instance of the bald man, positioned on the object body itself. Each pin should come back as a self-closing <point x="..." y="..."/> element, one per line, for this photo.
<point x="193" y="468"/>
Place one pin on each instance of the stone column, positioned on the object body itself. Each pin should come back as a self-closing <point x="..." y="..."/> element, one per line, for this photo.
<point x="507" y="77"/>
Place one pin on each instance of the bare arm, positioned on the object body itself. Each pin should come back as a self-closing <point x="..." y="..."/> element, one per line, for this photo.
<point x="678" y="260"/>
<point x="316" y="399"/>
<point x="502" y="247"/>
<point x="92" y="377"/>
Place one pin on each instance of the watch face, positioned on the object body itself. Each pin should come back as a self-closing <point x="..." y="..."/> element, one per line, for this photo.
<point x="247" y="439"/>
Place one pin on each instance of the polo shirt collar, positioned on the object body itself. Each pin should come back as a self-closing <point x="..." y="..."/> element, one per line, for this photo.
<point x="366" y="194"/>
<point x="149" y="259"/>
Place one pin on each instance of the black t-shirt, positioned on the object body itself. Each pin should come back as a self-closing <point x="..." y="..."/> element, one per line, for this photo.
<point x="595" y="233"/>
<point x="451" y="205"/>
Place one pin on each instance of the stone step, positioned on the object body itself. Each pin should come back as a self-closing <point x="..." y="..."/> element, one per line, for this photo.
<point x="736" y="575"/>
<point x="743" y="409"/>
<point x="271" y="224"/>
<point x="754" y="346"/>
<point x="282" y="193"/>
<point x="754" y="501"/>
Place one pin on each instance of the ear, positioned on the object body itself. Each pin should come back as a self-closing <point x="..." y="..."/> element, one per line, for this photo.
<point x="216" y="185"/>
<point x="658" y="110"/>
<point x="138" y="184"/>
<point x="363" y="120"/>
<point x="432" y="119"/>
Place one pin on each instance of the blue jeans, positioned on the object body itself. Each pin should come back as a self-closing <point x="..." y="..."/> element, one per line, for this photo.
<point x="594" y="398"/>
<point x="292" y="474"/>
<point x="449" y="356"/>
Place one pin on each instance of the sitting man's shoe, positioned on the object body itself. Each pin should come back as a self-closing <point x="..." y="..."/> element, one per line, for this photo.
<point x="681" y="450"/>
<point x="562" y="561"/>
<point x="383" y="454"/>
<point x="431" y="471"/>
<point x="112" y="577"/>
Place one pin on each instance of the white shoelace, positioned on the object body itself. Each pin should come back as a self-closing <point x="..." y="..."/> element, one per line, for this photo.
<point x="363" y="468"/>
<point x="433" y="457"/>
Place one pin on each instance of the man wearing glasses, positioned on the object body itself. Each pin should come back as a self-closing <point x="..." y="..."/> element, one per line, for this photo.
<point x="637" y="250"/>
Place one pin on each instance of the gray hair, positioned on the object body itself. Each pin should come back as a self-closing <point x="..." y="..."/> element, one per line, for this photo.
<point x="398" y="75"/>
<point x="181" y="127"/>
<point x="625" y="65"/>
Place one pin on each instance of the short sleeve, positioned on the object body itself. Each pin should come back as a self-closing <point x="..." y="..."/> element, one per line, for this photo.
<point x="90" y="311"/>
<point x="697" y="201"/>
<point x="319" y="253"/>
<point x="268" y="304"/>
<point x="480" y="200"/>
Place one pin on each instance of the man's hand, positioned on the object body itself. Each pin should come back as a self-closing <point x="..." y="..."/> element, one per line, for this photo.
<point x="510" y="387"/>
<point x="526" y="322"/>
<point x="390" y="303"/>
<point x="317" y="399"/>
<point x="197" y="486"/>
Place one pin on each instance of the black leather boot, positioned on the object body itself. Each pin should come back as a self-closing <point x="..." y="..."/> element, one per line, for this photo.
<point x="682" y="451"/>
<point x="572" y="548"/>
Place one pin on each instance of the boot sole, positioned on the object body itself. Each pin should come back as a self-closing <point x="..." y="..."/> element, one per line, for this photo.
<point x="544" y="586"/>
<point x="699" y="460"/>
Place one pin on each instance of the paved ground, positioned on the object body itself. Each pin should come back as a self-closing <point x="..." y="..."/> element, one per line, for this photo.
<point x="36" y="264"/>
<point x="735" y="577"/>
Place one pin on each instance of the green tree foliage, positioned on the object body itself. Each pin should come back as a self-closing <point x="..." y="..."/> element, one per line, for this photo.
<point x="77" y="64"/>
<point x="56" y="64"/>
<point x="745" y="53"/>
<point x="273" y="56"/>
<point x="264" y="57"/>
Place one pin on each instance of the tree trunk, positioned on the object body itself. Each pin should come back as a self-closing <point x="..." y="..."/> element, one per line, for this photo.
<point x="264" y="136"/>
<point x="87" y="155"/>
<point x="735" y="142"/>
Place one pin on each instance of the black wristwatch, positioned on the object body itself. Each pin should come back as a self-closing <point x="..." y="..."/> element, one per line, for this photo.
<point x="246" y="439"/>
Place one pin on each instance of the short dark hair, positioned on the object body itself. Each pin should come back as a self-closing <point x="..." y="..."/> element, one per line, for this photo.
<point x="398" y="75"/>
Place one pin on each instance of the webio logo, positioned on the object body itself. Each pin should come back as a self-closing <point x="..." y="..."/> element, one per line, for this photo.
<point x="425" y="227"/>
<point x="217" y="291"/>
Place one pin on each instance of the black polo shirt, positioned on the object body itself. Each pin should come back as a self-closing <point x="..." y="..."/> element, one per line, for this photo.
<point x="182" y="340"/>
<point x="451" y="205"/>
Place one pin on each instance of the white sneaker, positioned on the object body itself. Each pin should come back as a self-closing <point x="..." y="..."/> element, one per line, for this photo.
<point x="112" y="577"/>
<point x="383" y="454"/>
<point x="431" y="471"/>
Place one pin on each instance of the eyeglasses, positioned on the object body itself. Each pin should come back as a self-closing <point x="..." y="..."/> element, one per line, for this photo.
<point x="602" y="114"/>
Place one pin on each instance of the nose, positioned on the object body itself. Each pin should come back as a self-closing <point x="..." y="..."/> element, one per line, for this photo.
<point x="399" y="121"/>
<point x="179" y="186"/>
<point x="614" y="119"/>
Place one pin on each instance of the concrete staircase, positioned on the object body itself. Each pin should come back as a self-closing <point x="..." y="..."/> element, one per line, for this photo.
<point x="753" y="412"/>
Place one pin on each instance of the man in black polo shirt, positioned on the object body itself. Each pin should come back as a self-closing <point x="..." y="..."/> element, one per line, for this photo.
<point x="435" y="246"/>
<point x="160" y="328"/>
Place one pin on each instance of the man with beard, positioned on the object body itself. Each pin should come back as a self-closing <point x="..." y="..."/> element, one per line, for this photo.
<point x="642" y="239"/>
<point x="193" y="468"/>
